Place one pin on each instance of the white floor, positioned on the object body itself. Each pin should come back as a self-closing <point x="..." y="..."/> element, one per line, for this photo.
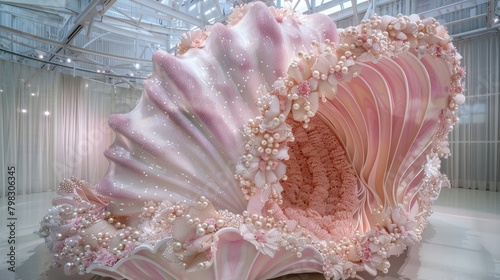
<point x="462" y="241"/>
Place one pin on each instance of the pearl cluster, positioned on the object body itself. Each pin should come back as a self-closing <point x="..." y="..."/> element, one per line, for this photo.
<point x="262" y="146"/>
<point x="329" y="64"/>
<point x="181" y="251"/>
<point x="260" y="221"/>
<point x="83" y="231"/>
<point x="79" y="243"/>
<point x="66" y="186"/>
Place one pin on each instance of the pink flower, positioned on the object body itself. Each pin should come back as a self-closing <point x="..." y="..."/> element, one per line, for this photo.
<point x="75" y="223"/>
<point x="192" y="39"/>
<point x="88" y="258"/>
<point x="372" y="251"/>
<point x="129" y="246"/>
<point x="58" y="246"/>
<point x="334" y="268"/>
<point x="304" y="89"/>
<point x="285" y="13"/>
<point x="238" y="13"/>
<point x="104" y="257"/>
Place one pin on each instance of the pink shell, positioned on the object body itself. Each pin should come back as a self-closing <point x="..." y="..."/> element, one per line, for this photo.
<point x="197" y="170"/>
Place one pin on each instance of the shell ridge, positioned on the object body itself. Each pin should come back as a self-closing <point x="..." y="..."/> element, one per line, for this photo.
<point x="386" y="106"/>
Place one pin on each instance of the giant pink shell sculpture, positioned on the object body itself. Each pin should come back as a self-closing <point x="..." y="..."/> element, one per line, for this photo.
<point x="274" y="145"/>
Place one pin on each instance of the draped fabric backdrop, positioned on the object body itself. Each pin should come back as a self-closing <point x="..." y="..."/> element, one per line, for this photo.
<point x="70" y="140"/>
<point x="54" y="126"/>
<point x="475" y="141"/>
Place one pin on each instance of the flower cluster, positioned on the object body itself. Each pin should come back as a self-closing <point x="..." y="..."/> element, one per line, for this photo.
<point x="193" y="39"/>
<point x="157" y="219"/>
<point x="193" y="242"/>
<point x="80" y="232"/>
<point x="395" y="230"/>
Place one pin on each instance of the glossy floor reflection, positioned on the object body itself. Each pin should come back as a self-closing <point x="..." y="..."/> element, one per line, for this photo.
<point x="462" y="241"/>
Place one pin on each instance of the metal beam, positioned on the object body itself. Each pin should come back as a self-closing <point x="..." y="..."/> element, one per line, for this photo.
<point x="149" y="27"/>
<point x="131" y="33"/>
<point x="162" y="8"/>
<point x="93" y="9"/>
<point x="69" y="47"/>
<point x="452" y="8"/>
<point x="42" y="18"/>
<point x="355" y="13"/>
<point x="491" y="13"/>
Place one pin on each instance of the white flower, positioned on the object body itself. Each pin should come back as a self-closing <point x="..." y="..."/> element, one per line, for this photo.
<point x="406" y="226"/>
<point x="432" y="166"/>
<point x="264" y="240"/>
<point x="372" y="251"/>
<point x="323" y="81"/>
<point x="305" y="102"/>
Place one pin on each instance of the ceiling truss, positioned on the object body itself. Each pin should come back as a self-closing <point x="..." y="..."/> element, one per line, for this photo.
<point x="114" y="40"/>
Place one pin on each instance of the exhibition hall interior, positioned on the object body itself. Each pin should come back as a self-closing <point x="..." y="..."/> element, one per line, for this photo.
<point x="171" y="124"/>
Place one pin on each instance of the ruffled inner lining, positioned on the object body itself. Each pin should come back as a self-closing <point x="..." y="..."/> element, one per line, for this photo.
<point x="320" y="192"/>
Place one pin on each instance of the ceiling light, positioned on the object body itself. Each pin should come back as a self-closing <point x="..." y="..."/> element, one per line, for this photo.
<point x="46" y="113"/>
<point x="137" y="66"/>
<point x="68" y="60"/>
<point x="24" y="110"/>
<point x="40" y="54"/>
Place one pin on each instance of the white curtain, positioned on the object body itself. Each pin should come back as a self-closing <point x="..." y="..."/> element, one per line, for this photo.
<point x="475" y="141"/>
<point x="54" y="126"/>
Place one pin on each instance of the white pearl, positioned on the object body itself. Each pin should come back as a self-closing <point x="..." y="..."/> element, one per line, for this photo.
<point x="200" y="231"/>
<point x="177" y="246"/>
<point x="211" y="228"/>
<point x="219" y="223"/>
